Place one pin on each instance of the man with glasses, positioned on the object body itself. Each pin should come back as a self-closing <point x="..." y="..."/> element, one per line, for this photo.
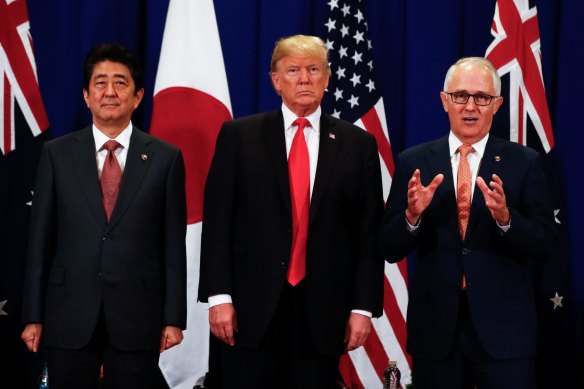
<point x="477" y="211"/>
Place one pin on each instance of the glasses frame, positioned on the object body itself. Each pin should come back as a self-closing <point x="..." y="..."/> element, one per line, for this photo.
<point x="474" y="98"/>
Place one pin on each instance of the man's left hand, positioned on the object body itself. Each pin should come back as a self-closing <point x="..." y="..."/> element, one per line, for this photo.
<point x="495" y="199"/>
<point x="358" y="330"/>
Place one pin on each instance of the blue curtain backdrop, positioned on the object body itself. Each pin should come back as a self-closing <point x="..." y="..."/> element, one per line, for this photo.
<point x="414" y="42"/>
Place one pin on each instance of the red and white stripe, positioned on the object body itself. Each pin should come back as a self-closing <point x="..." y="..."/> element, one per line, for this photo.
<point x="363" y="368"/>
<point x="516" y="50"/>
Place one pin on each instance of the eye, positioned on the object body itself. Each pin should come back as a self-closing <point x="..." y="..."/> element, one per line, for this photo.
<point x="120" y="84"/>
<point x="482" y="99"/>
<point x="293" y="71"/>
<point x="313" y="70"/>
<point x="460" y="95"/>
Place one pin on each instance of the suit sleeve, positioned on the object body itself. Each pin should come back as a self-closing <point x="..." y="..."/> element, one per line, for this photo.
<point x="41" y="244"/>
<point x="533" y="230"/>
<point x="394" y="239"/>
<point x="220" y="189"/>
<point x="369" y="275"/>
<point x="175" y="305"/>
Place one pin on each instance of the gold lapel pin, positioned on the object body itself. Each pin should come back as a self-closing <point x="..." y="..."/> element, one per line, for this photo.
<point x="332" y="136"/>
<point x="144" y="157"/>
<point x="497" y="158"/>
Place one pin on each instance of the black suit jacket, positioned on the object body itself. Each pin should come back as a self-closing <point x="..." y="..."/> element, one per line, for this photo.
<point x="134" y="266"/>
<point x="499" y="267"/>
<point x="247" y="228"/>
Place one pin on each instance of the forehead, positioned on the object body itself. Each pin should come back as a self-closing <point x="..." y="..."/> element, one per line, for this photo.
<point x="299" y="60"/>
<point x="472" y="78"/>
<point x="110" y="69"/>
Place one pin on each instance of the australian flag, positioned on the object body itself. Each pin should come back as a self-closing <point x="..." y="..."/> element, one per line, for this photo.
<point x="23" y="125"/>
<point x="525" y="118"/>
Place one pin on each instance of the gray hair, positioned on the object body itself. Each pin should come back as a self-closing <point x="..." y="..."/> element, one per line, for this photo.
<point x="479" y="61"/>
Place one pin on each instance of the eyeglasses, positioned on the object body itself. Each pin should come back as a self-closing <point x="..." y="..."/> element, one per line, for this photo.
<point x="479" y="98"/>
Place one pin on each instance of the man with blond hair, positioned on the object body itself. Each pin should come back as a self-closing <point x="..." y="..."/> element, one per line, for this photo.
<point x="289" y="263"/>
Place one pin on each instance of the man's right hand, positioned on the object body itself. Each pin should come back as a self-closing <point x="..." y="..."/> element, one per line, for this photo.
<point x="223" y="321"/>
<point x="420" y="196"/>
<point x="32" y="336"/>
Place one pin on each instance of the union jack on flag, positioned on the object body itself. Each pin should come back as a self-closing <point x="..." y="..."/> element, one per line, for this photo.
<point x="18" y="78"/>
<point x="516" y="51"/>
<point x="353" y="95"/>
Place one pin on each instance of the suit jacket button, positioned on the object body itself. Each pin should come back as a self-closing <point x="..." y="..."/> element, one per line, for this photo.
<point x="465" y="251"/>
<point x="283" y="264"/>
<point x="105" y="238"/>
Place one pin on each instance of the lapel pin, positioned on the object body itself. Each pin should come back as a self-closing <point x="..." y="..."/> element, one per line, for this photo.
<point x="497" y="158"/>
<point x="144" y="157"/>
<point x="332" y="136"/>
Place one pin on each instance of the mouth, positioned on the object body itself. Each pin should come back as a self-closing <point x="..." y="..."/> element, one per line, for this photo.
<point x="470" y="120"/>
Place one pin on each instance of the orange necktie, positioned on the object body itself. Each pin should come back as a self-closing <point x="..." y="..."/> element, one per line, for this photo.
<point x="110" y="178"/>
<point x="463" y="189"/>
<point x="463" y="193"/>
<point x="299" y="174"/>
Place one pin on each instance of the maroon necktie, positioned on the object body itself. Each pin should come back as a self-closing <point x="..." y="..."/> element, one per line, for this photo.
<point x="111" y="175"/>
<point x="299" y="173"/>
<point x="463" y="193"/>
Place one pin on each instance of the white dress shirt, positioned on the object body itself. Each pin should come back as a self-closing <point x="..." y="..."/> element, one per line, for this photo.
<point x="121" y="153"/>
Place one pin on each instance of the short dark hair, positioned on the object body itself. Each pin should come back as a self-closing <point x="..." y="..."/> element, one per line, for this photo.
<point x="114" y="52"/>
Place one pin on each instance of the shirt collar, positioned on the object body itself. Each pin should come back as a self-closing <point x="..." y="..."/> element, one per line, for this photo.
<point x="454" y="143"/>
<point x="123" y="138"/>
<point x="313" y="118"/>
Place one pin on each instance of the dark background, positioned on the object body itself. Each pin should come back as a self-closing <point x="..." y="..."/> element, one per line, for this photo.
<point x="414" y="43"/>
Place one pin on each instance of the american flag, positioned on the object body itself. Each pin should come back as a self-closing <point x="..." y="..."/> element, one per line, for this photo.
<point x="18" y="79"/>
<point x="516" y="51"/>
<point x="353" y="95"/>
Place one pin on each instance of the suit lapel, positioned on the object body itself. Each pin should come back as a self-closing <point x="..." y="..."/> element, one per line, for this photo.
<point x="273" y="134"/>
<point x="491" y="163"/>
<point x="445" y="196"/>
<point x="327" y="153"/>
<point x="140" y="157"/>
<point x="86" y="168"/>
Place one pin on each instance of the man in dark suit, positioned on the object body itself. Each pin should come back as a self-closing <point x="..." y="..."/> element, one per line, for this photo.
<point x="471" y="315"/>
<point x="100" y="288"/>
<point x="279" y="327"/>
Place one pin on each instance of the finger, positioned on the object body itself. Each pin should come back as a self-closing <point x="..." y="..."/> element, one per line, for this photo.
<point x="435" y="182"/>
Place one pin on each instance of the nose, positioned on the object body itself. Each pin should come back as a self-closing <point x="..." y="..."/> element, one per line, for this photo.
<point x="110" y="89"/>
<point x="470" y="104"/>
<point x="303" y="75"/>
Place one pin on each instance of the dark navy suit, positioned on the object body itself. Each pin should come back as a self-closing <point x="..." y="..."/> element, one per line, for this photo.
<point x="499" y="267"/>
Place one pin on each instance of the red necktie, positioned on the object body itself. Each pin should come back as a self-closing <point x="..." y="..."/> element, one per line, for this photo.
<point x="110" y="178"/>
<point x="463" y="193"/>
<point x="299" y="173"/>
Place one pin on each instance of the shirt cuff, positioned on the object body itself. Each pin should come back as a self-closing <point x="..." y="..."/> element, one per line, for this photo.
<point x="411" y="228"/>
<point x="504" y="228"/>
<point x="362" y="312"/>
<point x="219" y="299"/>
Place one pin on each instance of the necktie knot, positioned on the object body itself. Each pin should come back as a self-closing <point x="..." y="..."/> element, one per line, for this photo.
<point x="111" y="145"/>
<point x="465" y="150"/>
<point x="301" y="123"/>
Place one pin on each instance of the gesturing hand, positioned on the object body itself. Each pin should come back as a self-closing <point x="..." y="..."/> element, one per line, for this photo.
<point x="420" y="196"/>
<point x="495" y="199"/>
